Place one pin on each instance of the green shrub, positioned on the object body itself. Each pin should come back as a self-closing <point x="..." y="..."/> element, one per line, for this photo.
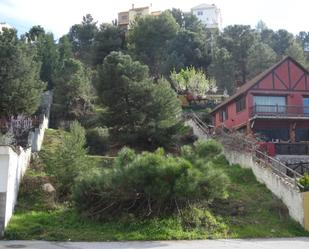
<point x="196" y="217"/>
<point x="202" y="149"/>
<point x="149" y="184"/>
<point x="210" y="148"/>
<point x="69" y="159"/>
<point x="304" y="181"/>
<point x="97" y="140"/>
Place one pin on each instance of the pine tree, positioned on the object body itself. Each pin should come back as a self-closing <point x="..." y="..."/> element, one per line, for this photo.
<point x="138" y="108"/>
<point x="20" y="86"/>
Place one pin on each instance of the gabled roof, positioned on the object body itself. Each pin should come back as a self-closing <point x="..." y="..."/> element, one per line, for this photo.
<point x="251" y="83"/>
<point x="204" y="6"/>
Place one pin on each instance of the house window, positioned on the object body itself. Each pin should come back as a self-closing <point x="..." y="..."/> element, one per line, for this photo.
<point x="123" y="18"/>
<point x="302" y="134"/>
<point x="241" y="104"/>
<point x="267" y="104"/>
<point x="223" y="114"/>
<point x="200" y="13"/>
<point x="271" y="134"/>
<point x="306" y="105"/>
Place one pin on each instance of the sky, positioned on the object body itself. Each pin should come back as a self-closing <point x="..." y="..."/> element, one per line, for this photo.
<point x="57" y="16"/>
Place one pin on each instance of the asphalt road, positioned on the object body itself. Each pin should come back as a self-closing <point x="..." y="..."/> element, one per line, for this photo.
<point x="291" y="243"/>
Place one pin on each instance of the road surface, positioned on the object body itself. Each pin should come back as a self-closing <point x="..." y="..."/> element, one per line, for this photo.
<point x="291" y="243"/>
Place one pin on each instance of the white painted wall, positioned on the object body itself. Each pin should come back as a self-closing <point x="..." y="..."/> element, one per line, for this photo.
<point x="290" y="195"/>
<point x="38" y="135"/>
<point x="14" y="162"/>
<point x="17" y="166"/>
<point x="209" y="15"/>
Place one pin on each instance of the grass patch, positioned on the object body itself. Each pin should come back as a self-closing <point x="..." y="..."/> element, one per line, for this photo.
<point x="66" y="224"/>
<point x="250" y="211"/>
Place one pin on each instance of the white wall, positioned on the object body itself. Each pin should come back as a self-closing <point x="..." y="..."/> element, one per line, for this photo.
<point x="17" y="166"/>
<point x="290" y="195"/>
<point x="38" y="135"/>
<point x="211" y="17"/>
<point x="13" y="165"/>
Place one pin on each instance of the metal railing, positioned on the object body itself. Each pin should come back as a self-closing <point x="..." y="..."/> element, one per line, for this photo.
<point x="279" y="168"/>
<point x="239" y="143"/>
<point x="280" y="110"/>
<point x="206" y="129"/>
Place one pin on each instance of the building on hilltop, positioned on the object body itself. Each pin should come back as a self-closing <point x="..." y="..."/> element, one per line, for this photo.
<point x="209" y="15"/>
<point x="273" y="106"/>
<point x="4" y="25"/>
<point x="126" y="18"/>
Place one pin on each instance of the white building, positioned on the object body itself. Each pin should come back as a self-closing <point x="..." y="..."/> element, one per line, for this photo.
<point x="4" y="25"/>
<point x="208" y="14"/>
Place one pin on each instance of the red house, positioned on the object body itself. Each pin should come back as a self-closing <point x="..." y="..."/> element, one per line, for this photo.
<point x="274" y="105"/>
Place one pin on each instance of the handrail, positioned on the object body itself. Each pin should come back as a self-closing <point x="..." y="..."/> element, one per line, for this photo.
<point x="204" y="127"/>
<point x="257" y="154"/>
<point x="271" y="162"/>
<point x="282" y="110"/>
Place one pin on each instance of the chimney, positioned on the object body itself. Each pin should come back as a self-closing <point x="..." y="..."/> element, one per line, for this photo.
<point x="132" y="6"/>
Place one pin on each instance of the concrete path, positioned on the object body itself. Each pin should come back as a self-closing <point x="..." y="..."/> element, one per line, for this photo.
<point x="292" y="243"/>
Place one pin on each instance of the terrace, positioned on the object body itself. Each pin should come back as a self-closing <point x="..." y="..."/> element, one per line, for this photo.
<point x="279" y="111"/>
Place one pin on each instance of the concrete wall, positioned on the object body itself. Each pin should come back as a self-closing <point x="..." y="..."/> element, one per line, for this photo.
<point x="290" y="195"/>
<point x="14" y="162"/>
<point x="196" y="130"/>
<point x="38" y="135"/>
<point x="17" y="166"/>
<point x="13" y="165"/>
<point x="296" y="201"/>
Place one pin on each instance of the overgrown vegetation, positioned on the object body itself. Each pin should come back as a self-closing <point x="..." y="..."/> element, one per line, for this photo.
<point x="20" y="86"/>
<point x="69" y="160"/>
<point x="139" y="110"/>
<point x="304" y="181"/>
<point x="123" y="90"/>
<point x="242" y="214"/>
<point x="152" y="184"/>
<point x="98" y="140"/>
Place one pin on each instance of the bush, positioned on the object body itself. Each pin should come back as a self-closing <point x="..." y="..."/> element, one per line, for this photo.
<point x="149" y="184"/>
<point x="70" y="159"/>
<point x="304" y="181"/>
<point x="97" y="140"/>
<point x="197" y="217"/>
<point x="207" y="149"/>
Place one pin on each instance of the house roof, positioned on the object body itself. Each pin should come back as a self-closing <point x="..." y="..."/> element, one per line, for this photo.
<point x="249" y="84"/>
<point x="140" y="8"/>
<point x="204" y="6"/>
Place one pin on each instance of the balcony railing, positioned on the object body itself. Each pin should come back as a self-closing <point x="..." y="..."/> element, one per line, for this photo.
<point x="280" y="110"/>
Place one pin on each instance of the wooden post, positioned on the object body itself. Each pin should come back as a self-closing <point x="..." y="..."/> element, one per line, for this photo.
<point x="249" y="130"/>
<point x="292" y="132"/>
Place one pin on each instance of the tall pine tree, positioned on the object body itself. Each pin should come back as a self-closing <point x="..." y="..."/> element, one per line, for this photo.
<point x="20" y="85"/>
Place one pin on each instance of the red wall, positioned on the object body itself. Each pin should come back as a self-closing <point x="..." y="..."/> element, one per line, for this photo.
<point x="234" y="119"/>
<point x="287" y="79"/>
